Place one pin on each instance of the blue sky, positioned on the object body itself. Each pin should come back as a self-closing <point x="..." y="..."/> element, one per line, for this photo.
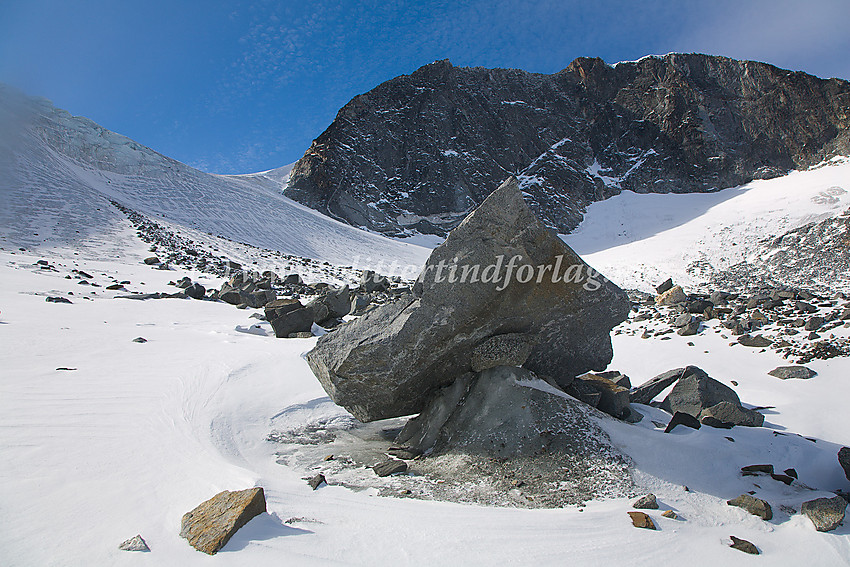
<point x="245" y="86"/>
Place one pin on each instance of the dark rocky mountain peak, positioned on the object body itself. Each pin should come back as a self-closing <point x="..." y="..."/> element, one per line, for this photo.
<point x="420" y="151"/>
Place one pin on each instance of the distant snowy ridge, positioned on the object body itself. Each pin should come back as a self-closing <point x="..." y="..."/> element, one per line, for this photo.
<point x="59" y="173"/>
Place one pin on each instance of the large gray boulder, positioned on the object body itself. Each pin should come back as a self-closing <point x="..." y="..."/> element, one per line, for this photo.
<point x="500" y="271"/>
<point x="507" y="423"/>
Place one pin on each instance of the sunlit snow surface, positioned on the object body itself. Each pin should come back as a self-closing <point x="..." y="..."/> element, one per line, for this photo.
<point x="137" y="434"/>
<point x="639" y="240"/>
<point x="59" y="173"/>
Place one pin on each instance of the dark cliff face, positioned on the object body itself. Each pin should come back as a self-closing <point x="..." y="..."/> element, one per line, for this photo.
<point x="419" y="151"/>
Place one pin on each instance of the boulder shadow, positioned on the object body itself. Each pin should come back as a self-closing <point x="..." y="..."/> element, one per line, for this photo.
<point x="264" y="527"/>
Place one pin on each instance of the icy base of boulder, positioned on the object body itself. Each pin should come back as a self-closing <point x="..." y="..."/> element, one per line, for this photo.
<point x="503" y="437"/>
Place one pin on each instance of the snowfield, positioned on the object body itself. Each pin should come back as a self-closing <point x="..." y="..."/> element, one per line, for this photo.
<point x="103" y="438"/>
<point x="638" y="240"/>
<point x="138" y="434"/>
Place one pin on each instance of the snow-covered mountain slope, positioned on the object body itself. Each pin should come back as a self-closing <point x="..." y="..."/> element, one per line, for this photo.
<point x="640" y="240"/>
<point x="418" y="152"/>
<point x="103" y="438"/>
<point x="59" y="173"/>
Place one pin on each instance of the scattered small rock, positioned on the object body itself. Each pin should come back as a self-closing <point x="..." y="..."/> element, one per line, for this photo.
<point x="641" y="520"/>
<point x="753" y="505"/>
<point x="756" y="341"/>
<point x="664" y="286"/>
<point x="390" y="467"/>
<point x="784" y="478"/>
<point x="672" y="296"/>
<point x="844" y="460"/>
<point x="743" y="545"/>
<point x="140" y="340"/>
<point x="825" y="513"/>
<point x="670" y="514"/>
<point x="647" y="502"/>
<point x="317" y="481"/>
<point x="792" y="373"/>
<point x="135" y="544"/>
<point x="58" y="300"/>
<point x="681" y="418"/>
<point x="754" y="469"/>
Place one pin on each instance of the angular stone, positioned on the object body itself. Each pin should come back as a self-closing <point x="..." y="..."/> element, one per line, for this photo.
<point x="211" y="525"/>
<point x="743" y="545"/>
<point x="510" y="349"/>
<point x="664" y="286"/>
<point x="617" y="378"/>
<point x="293" y="279"/>
<point x="195" y="291"/>
<point x="756" y="341"/>
<point x="647" y="391"/>
<point x="280" y="307"/>
<point x="334" y="304"/>
<point x="613" y="399"/>
<point x="481" y="282"/>
<point x="753" y="505"/>
<point x="670" y="514"/>
<point x="698" y="306"/>
<point x="296" y="321"/>
<point x="734" y="414"/>
<point x="753" y="469"/>
<point x="390" y="467"/>
<point x="317" y="481"/>
<point x="691" y="328"/>
<point x="695" y="392"/>
<point x="844" y="460"/>
<point x="231" y="296"/>
<point x="258" y="298"/>
<point x="672" y="296"/>
<point x="682" y="418"/>
<point x="716" y="423"/>
<point x="793" y="372"/>
<point x="647" y="502"/>
<point x="359" y="302"/>
<point x="371" y="282"/>
<point x="783" y="478"/>
<point x="825" y="513"/>
<point x="641" y="520"/>
<point x="136" y="543"/>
